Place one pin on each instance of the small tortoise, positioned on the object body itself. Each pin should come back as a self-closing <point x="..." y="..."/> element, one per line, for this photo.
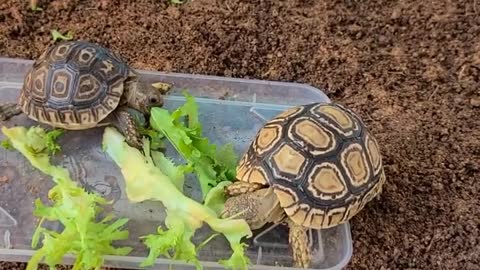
<point x="312" y="166"/>
<point x="79" y="85"/>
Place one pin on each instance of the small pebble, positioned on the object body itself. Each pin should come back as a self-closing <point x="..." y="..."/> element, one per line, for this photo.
<point x="437" y="186"/>
<point x="475" y="102"/>
<point x="396" y="14"/>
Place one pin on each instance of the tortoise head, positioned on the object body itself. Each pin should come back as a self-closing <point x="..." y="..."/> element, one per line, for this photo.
<point x="256" y="207"/>
<point x="143" y="96"/>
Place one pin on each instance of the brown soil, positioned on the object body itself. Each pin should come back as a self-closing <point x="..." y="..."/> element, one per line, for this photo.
<point x="410" y="68"/>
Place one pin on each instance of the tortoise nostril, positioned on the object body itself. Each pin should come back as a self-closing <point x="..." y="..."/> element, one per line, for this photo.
<point x="153" y="100"/>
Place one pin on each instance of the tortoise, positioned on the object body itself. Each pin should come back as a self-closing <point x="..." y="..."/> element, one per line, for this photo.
<point x="311" y="166"/>
<point x="78" y="85"/>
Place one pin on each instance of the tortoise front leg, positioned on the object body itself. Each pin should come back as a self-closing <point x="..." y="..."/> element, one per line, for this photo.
<point x="298" y="239"/>
<point x="241" y="187"/>
<point x="9" y="110"/>
<point x="125" y="122"/>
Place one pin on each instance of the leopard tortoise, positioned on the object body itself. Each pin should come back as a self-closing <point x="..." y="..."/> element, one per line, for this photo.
<point x="311" y="166"/>
<point x="79" y="85"/>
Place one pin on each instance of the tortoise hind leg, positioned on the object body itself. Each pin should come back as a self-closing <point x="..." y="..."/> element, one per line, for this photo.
<point x="9" y="110"/>
<point x="298" y="239"/>
<point x="125" y="122"/>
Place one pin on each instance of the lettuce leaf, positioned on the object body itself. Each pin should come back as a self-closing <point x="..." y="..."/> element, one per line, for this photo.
<point x="159" y="179"/>
<point x="77" y="210"/>
<point x="211" y="165"/>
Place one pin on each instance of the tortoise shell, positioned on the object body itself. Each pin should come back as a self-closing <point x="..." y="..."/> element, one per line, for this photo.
<point x="321" y="160"/>
<point x="73" y="85"/>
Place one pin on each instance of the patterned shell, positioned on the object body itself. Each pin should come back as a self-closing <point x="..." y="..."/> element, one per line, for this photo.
<point x="321" y="160"/>
<point x="73" y="85"/>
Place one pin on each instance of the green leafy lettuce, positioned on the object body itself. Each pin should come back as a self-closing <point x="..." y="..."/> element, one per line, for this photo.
<point x="148" y="175"/>
<point x="77" y="210"/>
<point x="151" y="176"/>
<point x="211" y="165"/>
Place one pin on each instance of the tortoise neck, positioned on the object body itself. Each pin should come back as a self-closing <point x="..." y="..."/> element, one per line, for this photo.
<point x="131" y="88"/>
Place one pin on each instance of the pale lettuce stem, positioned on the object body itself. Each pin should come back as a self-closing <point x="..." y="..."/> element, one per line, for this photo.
<point x="145" y="181"/>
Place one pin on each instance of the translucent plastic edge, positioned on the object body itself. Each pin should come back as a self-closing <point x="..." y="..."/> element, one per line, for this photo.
<point x="133" y="262"/>
<point x="315" y="92"/>
<point x="178" y="97"/>
<point x="26" y="254"/>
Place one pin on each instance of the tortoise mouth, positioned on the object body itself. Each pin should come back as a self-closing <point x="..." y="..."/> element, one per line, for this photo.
<point x="155" y="102"/>
<point x="152" y="103"/>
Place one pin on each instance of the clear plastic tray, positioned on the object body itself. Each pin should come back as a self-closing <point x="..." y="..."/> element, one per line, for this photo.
<point x="231" y="110"/>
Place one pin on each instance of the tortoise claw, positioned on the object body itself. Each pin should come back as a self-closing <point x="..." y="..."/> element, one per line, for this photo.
<point x="9" y="110"/>
<point x="125" y="122"/>
<point x="133" y="138"/>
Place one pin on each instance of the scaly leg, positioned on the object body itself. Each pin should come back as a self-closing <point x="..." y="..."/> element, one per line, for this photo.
<point x="125" y="122"/>
<point x="257" y="208"/>
<point x="298" y="239"/>
<point x="9" y="110"/>
<point x="240" y="187"/>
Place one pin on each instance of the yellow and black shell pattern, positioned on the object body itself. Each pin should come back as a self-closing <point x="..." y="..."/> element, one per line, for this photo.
<point x="73" y="85"/>
<point x="321" y="160"/>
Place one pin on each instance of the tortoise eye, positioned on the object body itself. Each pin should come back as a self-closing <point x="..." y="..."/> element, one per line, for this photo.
<point x="155" y="101"/>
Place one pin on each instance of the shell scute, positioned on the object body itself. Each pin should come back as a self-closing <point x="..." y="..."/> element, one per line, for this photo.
<point x="63" y="79"/>
<point x="267" y="138"/>
<point x="89" y="91"/>
<point x="39" y="80"/>
<point x="108" y="69"/>
<point x="287" y="162"/>
<point x="308" y="134"/>
<point x="354" y="161"/>
<point x="327" y="182"/>
<point x="337" y="118"/>
<point x="61" y="53"/>
<point x="84" y="56"/>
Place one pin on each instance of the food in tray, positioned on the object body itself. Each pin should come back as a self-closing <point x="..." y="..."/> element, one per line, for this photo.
<point x="311" y="166"/>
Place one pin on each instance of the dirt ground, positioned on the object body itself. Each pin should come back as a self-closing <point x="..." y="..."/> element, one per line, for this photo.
<point x="411" y="69"/>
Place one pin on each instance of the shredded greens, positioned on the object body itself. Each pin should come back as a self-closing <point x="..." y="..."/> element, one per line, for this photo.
<point x="152" y="176"/>
<point x="72" y="206"/>
<point x="161" y="180"/>
<point x="211" y="165"/>
<point x="148" y="175"/>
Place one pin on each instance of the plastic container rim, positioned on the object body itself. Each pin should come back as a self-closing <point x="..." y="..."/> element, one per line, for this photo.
<point x="112" y="260"/>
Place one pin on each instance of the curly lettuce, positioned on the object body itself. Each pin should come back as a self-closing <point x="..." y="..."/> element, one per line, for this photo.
<point x="77" y="210"/>
<point x="210" y="165"/>
<point x="157" y="178"/>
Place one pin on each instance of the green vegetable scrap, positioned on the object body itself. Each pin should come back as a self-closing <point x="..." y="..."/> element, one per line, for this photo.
<point x="72" y="206"/>
<point x="34" y="5"/>
<point x="57" y="35"/>
<point x="178" y="1"/>
<point x="149" y="175"/>
<point x="211" y="166"/>
<point x="6" y="145"/>
<point x="154" y="177"/>
<point x="50" y="141"/>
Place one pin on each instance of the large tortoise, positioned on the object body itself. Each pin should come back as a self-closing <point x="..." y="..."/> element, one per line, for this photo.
<point x="77" y="85"/>
<point x="312" y="166"/>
